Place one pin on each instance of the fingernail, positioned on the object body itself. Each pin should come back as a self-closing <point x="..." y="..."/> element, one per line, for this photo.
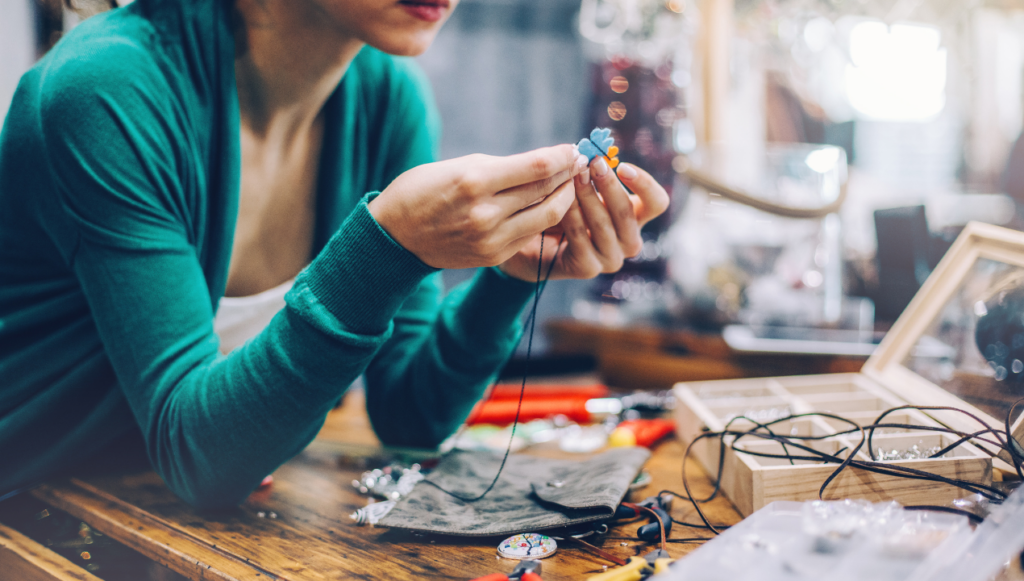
<point x="585" y="176"/>
<point x="599" y="167"/>
<point x="627" y="171"/>
<point x="581" y="163"/>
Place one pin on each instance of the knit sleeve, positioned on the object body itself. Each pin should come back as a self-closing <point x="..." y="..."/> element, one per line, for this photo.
<point x="445" y="350"/>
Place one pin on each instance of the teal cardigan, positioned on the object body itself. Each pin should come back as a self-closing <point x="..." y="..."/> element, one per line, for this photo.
<point x="119" y="179"/>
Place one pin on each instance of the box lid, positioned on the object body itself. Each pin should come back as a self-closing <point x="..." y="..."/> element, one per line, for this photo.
<point x="960" y="341"/>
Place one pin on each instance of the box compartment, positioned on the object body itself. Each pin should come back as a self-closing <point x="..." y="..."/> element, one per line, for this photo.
<point x="751" y="482"/>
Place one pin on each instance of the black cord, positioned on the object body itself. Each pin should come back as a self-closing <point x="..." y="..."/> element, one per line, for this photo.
<point x="688" y="540"/>
<point x="1013" y="446"/>
<point x="872" y="466"/>
<point x="614" y="171"/>
<point x="876" y="467"/>
<point x="1004" y="440"/>
<point x="871" y="429"/>
<point x="721" y="459"/>
<point x="531" y="323"/>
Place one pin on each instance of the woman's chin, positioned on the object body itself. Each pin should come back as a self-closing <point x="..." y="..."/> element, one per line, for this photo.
<point x="411" y="44"/>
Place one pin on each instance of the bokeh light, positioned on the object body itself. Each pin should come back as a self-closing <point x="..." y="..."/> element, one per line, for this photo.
<point x="616" y="110"/>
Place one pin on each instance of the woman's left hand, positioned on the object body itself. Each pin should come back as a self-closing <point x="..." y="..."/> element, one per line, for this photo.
<point x="602" y="228"/>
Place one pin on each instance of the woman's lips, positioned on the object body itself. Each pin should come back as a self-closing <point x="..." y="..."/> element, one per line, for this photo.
<point x="427" y="10"/>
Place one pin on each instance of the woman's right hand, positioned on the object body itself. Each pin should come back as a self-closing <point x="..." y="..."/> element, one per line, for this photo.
<point x="478" y="210"/>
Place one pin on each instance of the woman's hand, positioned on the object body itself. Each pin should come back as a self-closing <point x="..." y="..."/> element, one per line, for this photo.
<point x="478" y="210"/>
<point x="601" y="230"/>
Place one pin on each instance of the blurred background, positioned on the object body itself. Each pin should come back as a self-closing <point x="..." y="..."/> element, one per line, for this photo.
<point x="872" y="130"/>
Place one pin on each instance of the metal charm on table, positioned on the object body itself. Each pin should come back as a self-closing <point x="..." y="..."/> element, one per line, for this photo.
<point x="527" y="546"/>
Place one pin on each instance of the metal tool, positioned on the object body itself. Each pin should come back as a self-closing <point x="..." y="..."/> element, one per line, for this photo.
<point x="524" y="571"/>
<point x="632" y="571"/>
<point x="657" y="561"/>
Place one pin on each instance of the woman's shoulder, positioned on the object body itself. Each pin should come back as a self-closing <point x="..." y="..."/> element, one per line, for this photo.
<point x="121" y="65"/>
<point x="159" y="47"/>
<point x="105" y="66"/>
<point x="103" y="49"/>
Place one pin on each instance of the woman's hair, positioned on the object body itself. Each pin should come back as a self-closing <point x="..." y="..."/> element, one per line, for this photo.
<point x="51" y="22"/>
<point x="86" y="8"/>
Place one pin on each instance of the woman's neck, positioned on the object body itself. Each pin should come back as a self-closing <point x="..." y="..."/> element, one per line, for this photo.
<point x="289" y="59"/>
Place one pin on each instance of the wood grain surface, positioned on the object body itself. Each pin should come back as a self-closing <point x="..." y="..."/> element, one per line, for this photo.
<point x="299" y="527"/>
<point x="23" y="559"/>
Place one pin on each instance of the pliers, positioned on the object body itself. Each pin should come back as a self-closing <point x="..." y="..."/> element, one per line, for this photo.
<point x="657" y="561"/>
<point x="524" y="571"/>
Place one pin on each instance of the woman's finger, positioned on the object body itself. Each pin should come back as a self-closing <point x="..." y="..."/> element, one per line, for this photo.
<point x="654" y="198"/>
<point x="540" y="216"/>
<point x="580" y="258"/>
<point x="602" y="228"/>
<point x="498" y="174"/>
<point x="519" y="259"/>
<point x="513" y="248"/>
<point x="616" y="199"/>
<point x="519" y="197"/>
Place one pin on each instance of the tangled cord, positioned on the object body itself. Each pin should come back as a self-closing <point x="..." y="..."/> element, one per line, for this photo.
<point x="1003" y="440"/>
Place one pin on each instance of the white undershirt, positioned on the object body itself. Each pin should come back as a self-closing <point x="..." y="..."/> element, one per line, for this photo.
<point x="239" y="319"/>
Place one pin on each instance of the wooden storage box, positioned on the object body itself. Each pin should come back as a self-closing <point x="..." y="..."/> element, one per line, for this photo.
<point x="928" y="358"/>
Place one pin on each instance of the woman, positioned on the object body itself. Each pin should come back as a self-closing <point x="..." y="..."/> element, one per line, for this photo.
<point x="174" y="152"/>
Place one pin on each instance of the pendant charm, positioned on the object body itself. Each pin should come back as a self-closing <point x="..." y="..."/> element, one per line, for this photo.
<point x="527" y="546"/>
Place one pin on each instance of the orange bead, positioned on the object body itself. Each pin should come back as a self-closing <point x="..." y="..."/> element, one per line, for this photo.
<point x="613" y="151"/>
<point x="613" y="162"/>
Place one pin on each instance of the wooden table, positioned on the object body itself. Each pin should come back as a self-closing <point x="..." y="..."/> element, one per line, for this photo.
<point x="299" y="527"/>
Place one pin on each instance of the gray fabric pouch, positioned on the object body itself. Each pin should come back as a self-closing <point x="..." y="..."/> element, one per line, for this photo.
<point x="533" y="494"/>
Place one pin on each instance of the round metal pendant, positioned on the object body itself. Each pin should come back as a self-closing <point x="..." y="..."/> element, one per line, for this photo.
<point x="527" y="546"/>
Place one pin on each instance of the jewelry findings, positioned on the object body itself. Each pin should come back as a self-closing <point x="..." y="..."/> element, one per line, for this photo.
<point x="391" y="483"/>
<point x="915" y="452"/>
<point x="372" y="513"/>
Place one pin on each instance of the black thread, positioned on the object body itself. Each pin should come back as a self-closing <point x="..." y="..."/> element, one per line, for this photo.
<point x="614" y="171"/>
<point x="531" y="323"/>
<point x="1003" y="440"/>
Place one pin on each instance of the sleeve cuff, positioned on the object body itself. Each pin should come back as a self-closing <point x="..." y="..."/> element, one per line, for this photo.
<point x="362" y="276"/>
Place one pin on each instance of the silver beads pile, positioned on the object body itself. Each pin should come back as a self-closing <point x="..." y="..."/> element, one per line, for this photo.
<point x="390" y="483"/>
<point x="915" y="452"/>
